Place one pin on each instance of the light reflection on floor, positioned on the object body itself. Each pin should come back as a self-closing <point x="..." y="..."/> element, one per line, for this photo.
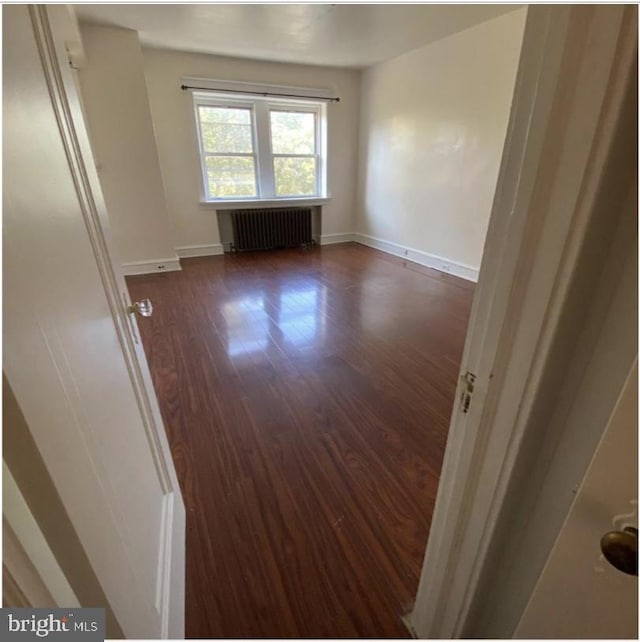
<point x="293" y="317"/>
<point x="247" y="325"/>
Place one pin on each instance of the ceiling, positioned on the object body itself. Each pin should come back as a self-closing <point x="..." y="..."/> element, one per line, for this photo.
<point x="343" y="35"/>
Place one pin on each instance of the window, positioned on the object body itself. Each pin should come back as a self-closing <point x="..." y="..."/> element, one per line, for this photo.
<point x="228" y="151"/>
<point x="293" y="145"/>
<point x="260" y="149"/>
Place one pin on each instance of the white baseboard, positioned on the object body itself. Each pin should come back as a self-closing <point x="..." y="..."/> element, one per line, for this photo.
<point x="410" y="254"/>
<point x="151" y="267"/>
<point x="191" y="251"/>
<point x="330" y="239"/>
<point x="418" y="256"/>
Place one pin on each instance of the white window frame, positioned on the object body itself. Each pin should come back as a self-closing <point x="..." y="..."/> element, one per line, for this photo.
<point x="204" y="154"/>
<point x="262" y="146"/>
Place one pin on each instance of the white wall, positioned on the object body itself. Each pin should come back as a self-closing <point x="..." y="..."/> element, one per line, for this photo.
<point x="116" y="107"/>
<point x="433" y="124"/>
<point x="419" y="171"/>
<point x="173" y="120"/>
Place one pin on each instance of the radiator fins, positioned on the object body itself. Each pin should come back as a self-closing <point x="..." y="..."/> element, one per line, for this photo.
<point x="268" y="229"/>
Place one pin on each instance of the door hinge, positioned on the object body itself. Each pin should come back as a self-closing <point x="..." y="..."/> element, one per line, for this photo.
<point x="468" y="382"/>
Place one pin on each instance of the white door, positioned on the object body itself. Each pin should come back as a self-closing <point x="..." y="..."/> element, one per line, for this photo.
<point x="69" y="349"/>
<point x="580" y="594"/>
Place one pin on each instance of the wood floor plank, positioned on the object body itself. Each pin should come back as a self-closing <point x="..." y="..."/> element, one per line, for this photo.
<point x="306" y="397"/>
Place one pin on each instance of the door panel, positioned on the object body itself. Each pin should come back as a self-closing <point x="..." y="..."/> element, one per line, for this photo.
<point x="91" y="413"/>
<point x="580" y="594"/>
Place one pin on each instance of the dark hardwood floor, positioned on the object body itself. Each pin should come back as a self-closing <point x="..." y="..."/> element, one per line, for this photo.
<point x="306" y="396"/>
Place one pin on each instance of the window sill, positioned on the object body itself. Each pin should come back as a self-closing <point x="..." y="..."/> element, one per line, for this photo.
<point x="257" y="202"/>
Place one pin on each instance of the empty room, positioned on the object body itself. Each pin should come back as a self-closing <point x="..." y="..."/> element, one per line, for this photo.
<point x="315" y="247"/>
<point x="306" y="393"/>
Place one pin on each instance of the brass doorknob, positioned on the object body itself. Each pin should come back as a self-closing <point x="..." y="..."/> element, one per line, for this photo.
<point x="143" y="308"/>
<point x="620" y="549"/>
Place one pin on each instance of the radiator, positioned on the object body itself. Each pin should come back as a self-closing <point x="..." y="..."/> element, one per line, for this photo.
<point x="271" y="228"/>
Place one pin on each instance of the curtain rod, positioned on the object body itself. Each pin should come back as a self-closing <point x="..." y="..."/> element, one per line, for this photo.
<point x="335" y="99"/>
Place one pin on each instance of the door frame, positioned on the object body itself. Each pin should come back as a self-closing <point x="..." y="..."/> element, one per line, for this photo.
<point x="573" y="73"/>
<point x="36" y="577"/>
<point x="58" y="41"/>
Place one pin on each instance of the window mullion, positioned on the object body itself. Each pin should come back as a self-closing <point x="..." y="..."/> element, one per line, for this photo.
<point x="263" y="140"/>
<point x="295" y="155"/>
<point x="321" y="150"/>
<point x="230" y="154"/>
